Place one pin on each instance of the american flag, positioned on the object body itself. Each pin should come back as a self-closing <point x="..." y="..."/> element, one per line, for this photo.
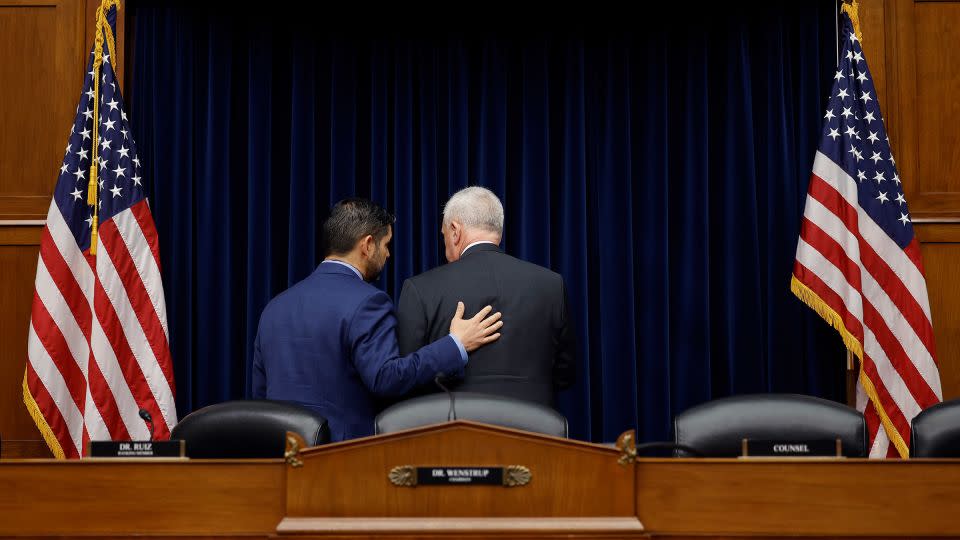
<point x="98" y="347"/>
<point x="858" y="261"/>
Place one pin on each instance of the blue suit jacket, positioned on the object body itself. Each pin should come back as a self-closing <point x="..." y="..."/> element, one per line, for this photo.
<point x="329" y="343"/>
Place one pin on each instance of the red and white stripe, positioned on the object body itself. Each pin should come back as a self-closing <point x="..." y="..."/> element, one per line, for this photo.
<point x="98" y="344"/>
<point x="878" y="291"/>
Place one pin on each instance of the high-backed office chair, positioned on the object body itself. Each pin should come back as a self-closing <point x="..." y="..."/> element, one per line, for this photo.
<point x="486" y="408"/>
<point x="935" y="432"/>
<point x="717" y="428"/>
<point x="248" y="429"/>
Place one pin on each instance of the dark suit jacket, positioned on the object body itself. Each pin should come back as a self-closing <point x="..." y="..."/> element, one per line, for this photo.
<point x="329" y="343"/>
<point x="535" y="352"/>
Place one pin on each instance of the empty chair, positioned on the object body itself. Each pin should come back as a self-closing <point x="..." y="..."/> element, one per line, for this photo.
<point x="248" y="429"/>
<point x="717" y="428"/>
<point x="486" y="408"/>
<point x="935" y="432"/>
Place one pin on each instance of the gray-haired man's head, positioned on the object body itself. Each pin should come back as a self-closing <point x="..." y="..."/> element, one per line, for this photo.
<point x="471" y="215"/>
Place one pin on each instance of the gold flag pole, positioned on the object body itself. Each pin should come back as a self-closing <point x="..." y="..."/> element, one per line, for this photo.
<point x="852" y="9"/>
<point x="103" y="32"/>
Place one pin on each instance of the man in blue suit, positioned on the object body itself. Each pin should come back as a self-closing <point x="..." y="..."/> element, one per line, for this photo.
<point x="329" y="342"/>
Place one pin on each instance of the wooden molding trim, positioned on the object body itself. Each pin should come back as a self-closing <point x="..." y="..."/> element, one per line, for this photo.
<point x="20" y="235"/>
<point x="608" y="525"/>
<point x="942" y="232"/>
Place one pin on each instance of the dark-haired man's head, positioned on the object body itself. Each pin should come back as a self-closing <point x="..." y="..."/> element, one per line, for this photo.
<point x="358" y="232"/>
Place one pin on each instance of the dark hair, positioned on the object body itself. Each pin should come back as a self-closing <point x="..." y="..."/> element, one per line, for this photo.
<point x="352" y="219"/>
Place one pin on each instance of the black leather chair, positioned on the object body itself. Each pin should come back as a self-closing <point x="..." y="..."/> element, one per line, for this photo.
<point x="717" y="428"/>
<point x="486" y="408"/>
<point x="935" y="432"/>
<point x="248" y="429"/>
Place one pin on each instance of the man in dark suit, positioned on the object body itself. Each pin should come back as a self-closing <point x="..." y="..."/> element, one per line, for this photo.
<point x="329" y="342"/>
<point x="536" y="354"/>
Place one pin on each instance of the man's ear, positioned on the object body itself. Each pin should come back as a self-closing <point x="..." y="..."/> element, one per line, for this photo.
<point x="368" y="245"/>
<point x="455" y="230"/>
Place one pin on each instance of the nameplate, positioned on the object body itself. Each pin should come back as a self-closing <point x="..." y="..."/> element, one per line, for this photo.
<point x="459" y="475"/>
<point x="136" y="449"/>
<point x="792" y="448"/>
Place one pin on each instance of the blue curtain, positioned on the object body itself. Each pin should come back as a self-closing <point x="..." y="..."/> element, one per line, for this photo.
<point x="662" y="171"/>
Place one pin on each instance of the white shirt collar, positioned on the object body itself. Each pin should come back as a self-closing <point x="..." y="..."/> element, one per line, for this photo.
<point x="474" y="244"/>
<point x="348" y="265"/>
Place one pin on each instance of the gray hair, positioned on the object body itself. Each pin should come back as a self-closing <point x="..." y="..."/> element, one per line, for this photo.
<point x="476" y="208"/>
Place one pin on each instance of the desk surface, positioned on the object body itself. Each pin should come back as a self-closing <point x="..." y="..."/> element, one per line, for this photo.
<point x="673" y="497"/>
<point x="648" y="498"/>
<point x="784" y="497"/>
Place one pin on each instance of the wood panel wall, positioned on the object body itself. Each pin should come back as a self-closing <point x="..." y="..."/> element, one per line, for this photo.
<point x="44" y="48"/>
<point x="911" y="46"/>
<point x="912" y="49"/>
